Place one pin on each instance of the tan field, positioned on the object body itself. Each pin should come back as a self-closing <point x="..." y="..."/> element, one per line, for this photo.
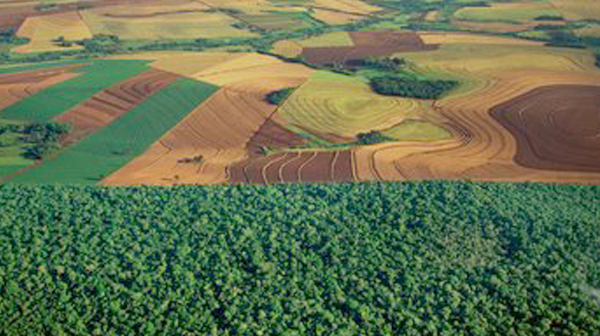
<point x="348" y="6"/>
<point x="42" y="30"/>
<point x="578" y="9"/>
<point x="335" y="17"/>
<point x="176" y="25"/>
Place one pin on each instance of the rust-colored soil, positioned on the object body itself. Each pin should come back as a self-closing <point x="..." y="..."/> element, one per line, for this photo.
<point x="303" y="166"/>
<point x="14" y="87"/>
<point x="110" y="104"/>
<point x="273" y="136"/>
<point x="367" y="44"/>
<point x="556" y="127"/>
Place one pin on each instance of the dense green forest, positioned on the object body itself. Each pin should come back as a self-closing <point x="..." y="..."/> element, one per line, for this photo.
<point x="412" y="88"/>
<point x="347" y="259"/>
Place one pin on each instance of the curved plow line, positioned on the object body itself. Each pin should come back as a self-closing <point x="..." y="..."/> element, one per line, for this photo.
<point x="332" y="168"/>
<point x="353" y="164"/>
<point x="282" y="167"/>
<point x="270" y="163"/>
<point x="299" y="172"/>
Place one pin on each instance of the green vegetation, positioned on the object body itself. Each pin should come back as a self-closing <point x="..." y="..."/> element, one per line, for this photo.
<point x="384" y="63"/>
<point x="111" y="147"/>
<point x="372" y="137"/>
<point x="21" y="144"/>
<point x="37" y="139"/>
<point x="48" y="103"/>
<point x="278" y="97"/>
<point x="346" y="259"/>
<point x="413" y="88"/>
<point x="550" y="18"/>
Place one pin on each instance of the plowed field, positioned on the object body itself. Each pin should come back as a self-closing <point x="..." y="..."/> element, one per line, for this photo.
<point x="16" y="86"/>
<point x="366" y="44"/>
<point x="110" y="104"/>
<point x="218" y="131"/>
<point x="556" y="127"/>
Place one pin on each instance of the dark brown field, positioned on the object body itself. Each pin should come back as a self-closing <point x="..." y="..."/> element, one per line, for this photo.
<point x="366" y="44"/>
<point x="556" y="127"/>
<point x="304" y="166"/>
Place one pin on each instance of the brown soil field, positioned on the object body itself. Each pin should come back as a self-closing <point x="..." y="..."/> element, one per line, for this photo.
<point x="14" y="87"/>
<point x="482" y="149"/>
<point x="556" y="127"/>
<point x="219" y="131"/>
<point x="367" y="44"/>
<point x="303" y="166"/>
<point x="273" y="136"/>
<point x="110" y="104"/>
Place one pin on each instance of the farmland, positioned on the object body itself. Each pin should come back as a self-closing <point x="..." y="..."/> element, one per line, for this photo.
<point x="426" y="80"/>
<point x="299" y="167"/>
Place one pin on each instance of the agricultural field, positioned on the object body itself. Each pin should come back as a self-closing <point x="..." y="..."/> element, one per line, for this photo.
<point x="452" y="73"/>
<point x="299" y="167"/>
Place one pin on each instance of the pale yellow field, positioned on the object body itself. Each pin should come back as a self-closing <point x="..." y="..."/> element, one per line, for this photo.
<point x="333" y="17"/>
<point x="43" y="29"/>
<point x="450" y="38"/>
<point x="252" y="67"/>
<point x="578" y="9"/>
<point x="287" y="48"/>
<point x="507" y="11"/>
<point x="334" y="104"/>
<point x="249" y="6"/>
<point x="349" y="6"/>
<point x="151" y="8"/>
<point x="477" y="58"/>
<point x="174" y="25"/>
<point x="335" y="39"/>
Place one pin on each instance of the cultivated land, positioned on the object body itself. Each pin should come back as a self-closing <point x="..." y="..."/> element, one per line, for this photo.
<point x="216" y="167"/>
<point x="115" y="64"/>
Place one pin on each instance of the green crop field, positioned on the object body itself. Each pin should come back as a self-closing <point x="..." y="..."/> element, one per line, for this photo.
<point x="346" y="259"/>
<point x="48" y="103"/>
<point x="114" y="145"/>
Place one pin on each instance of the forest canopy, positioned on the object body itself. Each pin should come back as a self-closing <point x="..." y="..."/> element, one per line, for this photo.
<point x="346" y="259"/>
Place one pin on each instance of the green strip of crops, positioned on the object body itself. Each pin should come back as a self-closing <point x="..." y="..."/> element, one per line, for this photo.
<point x="431" y="258"/>
<point x="111" y="147"/>
<point x="19" y="68"/>
<point x="98" y="76"/>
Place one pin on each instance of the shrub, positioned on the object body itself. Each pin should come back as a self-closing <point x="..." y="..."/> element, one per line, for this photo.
<point x="412" y="88"/>
<point x="373" y="137"/>
<point x="278" y="97"/>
